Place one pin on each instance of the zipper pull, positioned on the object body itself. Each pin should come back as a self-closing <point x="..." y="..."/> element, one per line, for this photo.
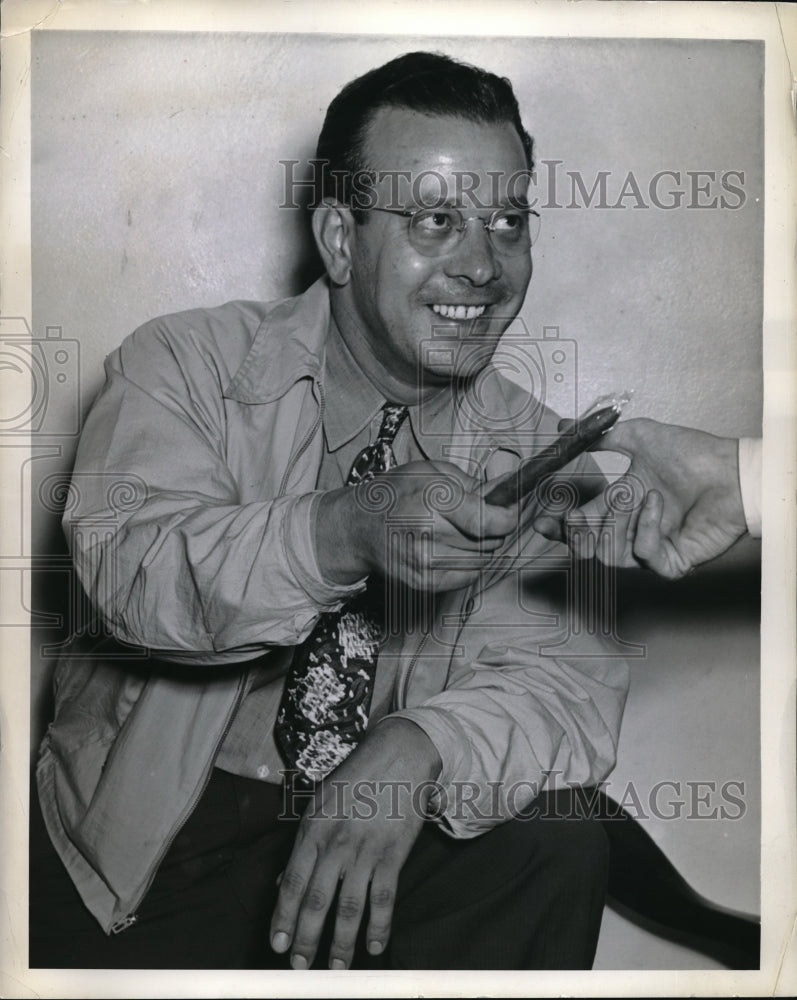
<point x="124" y="923"/>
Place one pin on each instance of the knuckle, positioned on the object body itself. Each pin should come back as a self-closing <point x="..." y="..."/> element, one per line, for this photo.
<point x="304" y="944"/>
<point x="382" y="896"/>
<point x="292" y="883"/>
<point x="340" y="837"/>
<point x="315" y="900"/>
<point x="349" y="907"/>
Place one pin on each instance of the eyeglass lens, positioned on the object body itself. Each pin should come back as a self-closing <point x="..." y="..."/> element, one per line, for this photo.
<point x="437" y="231"/>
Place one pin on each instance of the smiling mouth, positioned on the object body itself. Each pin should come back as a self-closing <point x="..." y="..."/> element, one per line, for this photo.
<point x="459" y="312"/>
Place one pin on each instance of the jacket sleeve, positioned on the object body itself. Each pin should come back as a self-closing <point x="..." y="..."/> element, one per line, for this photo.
<point x="168" y="555"/>
<point x="533" y="700"/>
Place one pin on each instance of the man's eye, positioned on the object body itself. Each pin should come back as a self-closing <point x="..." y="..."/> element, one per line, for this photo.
<point x="508" y="222"/>
<point x="434" y="222"/>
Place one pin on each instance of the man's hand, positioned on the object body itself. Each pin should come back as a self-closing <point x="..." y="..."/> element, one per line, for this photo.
<point x="433" y="508"/>
<point x="353" y="841"/>
<point x="692" y="509"/>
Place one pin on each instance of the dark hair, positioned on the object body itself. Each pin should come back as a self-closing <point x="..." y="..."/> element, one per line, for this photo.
<point x="427" y="82"/>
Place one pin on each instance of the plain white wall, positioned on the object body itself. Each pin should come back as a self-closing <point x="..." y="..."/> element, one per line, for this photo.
<point x="156" y="186"/>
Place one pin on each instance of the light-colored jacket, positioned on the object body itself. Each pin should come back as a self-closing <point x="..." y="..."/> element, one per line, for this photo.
<point x="189" y="520"/>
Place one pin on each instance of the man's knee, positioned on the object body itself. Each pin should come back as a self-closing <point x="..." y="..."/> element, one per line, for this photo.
<point x="564" y="833"/>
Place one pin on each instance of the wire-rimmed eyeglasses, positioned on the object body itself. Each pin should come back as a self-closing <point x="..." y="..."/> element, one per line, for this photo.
<point x="435" y="232"/>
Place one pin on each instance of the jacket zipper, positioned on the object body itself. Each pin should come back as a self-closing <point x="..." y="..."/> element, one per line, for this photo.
<point x="402" y="700"/>
<point x="132" y="918"/>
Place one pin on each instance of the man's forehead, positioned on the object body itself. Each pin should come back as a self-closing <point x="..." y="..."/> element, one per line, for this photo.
<point x="399" y="131"/>
<point x="441" y="159"/>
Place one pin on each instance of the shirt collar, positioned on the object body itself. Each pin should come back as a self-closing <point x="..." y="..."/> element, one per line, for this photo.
<point x="351" y="401"/>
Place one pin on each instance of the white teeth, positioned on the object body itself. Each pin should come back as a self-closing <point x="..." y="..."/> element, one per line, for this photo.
<point x="459" y="312"/>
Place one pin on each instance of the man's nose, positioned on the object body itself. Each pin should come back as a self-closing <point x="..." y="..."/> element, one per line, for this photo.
<point x="474" y="257"/>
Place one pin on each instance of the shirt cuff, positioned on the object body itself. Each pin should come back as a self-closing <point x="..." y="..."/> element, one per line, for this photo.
<point x="298" y="535"/>
<point x="750" y="482"/>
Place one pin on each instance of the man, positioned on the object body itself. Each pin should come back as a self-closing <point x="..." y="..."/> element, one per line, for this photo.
<point x="165" y="784"/>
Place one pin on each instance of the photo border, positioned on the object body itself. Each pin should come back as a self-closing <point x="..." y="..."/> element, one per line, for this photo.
<point x="776" y="24"/>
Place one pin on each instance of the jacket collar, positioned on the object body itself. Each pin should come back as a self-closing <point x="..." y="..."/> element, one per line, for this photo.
<point x="289" y="345"/>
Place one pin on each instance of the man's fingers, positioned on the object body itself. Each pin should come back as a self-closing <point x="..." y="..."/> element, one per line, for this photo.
<point x="620" y="439"/>
<point x="293" y="885"/>
<point x="313" y="911"/>
<point x="382" y="900"/>
<point x="606" y="538"/>
<point x="477" y="521"/>
<point x="628" y="538"/>
<point x="549" y="527"/>
<point x="351" y="906"/>
<point x="560" y="526"/>
<point x="648" y="541"/>
<point x="651" y="549"/>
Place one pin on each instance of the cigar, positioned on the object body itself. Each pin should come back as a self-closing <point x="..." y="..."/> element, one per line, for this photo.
<point x="582" y="435"/>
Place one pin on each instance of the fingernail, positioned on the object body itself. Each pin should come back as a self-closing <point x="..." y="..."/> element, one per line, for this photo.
<point x="298" y="962"/>
<point x="337" y="963"/>
<point x="280" y="941"/>
<point x="375" y="947"/>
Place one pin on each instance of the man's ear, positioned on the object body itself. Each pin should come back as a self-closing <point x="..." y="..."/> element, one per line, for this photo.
<point x="332" y="228"/>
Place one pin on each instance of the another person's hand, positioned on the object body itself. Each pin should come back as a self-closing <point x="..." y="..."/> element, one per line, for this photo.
<point x="442" y="534"/>
<point x="692" y="509"/>
<point x="352" y="843"/>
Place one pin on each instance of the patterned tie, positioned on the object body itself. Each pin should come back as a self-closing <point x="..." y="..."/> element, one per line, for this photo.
<point x="324" y="709"/>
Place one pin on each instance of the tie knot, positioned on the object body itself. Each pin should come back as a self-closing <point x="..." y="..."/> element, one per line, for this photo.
<point x="393" y="416"/>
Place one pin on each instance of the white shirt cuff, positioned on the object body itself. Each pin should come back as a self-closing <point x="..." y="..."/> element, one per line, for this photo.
<point x="750" y="482"/>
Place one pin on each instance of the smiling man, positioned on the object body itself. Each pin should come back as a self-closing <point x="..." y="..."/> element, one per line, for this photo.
<point x="342" y="746"/>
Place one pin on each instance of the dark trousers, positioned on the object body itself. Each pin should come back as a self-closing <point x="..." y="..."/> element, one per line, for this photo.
<point x="527" y="895"/>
